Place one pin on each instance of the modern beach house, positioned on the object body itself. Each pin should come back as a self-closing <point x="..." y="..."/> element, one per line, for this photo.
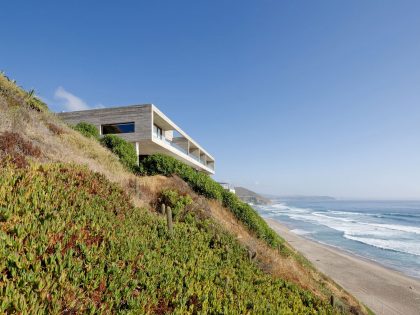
<point x="149" y="130"/>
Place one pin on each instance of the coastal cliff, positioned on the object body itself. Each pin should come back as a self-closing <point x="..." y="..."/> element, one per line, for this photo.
<point x="85" y="233"/>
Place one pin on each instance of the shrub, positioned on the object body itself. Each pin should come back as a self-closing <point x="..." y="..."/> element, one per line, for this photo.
<point x="165" y="165"/>
<point x="206" y="186"/>
<point x="123" y="149"/>
<point x="245" y="213"/>
<point x="87" y="129"/>
<point x="176" y="201"/>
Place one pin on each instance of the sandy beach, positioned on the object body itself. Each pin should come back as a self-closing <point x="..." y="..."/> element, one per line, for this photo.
<point x="383" y="290"/>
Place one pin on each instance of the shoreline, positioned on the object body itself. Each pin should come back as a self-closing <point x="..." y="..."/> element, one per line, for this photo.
<point x="383" y="290"/>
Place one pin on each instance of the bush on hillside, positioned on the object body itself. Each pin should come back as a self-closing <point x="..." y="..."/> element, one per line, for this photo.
<point x="123" y="149"/>
<point x="87" y="129"/>
<point x="245" y="213"/>
<point x="72" y="243"/>
<point x="176" y="201"/>
<point x="206" y="186"/>
<point x="159" y="164"/>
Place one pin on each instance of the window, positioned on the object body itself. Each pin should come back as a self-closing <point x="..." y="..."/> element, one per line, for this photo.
<point x="118" y="128"/>
<point x="157" y="132"/>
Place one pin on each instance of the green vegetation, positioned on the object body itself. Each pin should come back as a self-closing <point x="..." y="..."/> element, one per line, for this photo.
<point x="71" y="242"/>
<point x="206" y="186"/>
<point x="14" y="95"/>
<point x="199" y="182"/>
<point x="159" y="164"/>
<point x="176" y="201"/>
<point x="246" y="214"/>
<point x="123" y="149"/>
<point x="120" y="147"/>
<point x="87" y="129"/>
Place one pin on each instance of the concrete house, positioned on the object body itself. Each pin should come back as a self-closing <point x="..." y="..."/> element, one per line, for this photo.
<point x="149" y="130"/>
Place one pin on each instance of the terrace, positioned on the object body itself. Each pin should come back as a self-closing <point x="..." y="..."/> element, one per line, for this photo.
<point x="169" y="135"/>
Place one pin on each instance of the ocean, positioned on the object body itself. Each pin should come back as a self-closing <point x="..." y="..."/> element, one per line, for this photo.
<point x="387" y="232"/>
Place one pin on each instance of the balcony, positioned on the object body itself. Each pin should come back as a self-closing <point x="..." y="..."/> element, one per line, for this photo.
<point x="161" y="137"/>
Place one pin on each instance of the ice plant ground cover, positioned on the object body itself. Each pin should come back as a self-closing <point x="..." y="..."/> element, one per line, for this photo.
<point x="71" y="241"/>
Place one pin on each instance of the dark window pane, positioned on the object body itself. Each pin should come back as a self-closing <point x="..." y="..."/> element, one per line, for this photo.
<point x="118" y="128"/>
<point x="157" y="131"/>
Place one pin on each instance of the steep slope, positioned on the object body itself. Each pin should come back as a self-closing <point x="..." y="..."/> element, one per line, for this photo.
<point x="73" y="242"/>
<point x="80" y="231"/>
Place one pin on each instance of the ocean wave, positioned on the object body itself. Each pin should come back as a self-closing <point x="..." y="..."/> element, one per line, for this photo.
<point x="349" y="227"/>
<point x="410" y="247"/>
<point x="398" y="227"/>
<point x="352" y="225"/>
<point x="300" y="232"/>
<point x="382" y="232"/>
<point x="357" y="226"/>
<point x="350" y="213"/>
<point x="325" y="215"/>
<point x="284" y="207"/>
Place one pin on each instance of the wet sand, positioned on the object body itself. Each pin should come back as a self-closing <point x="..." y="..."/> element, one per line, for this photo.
<point x="383" y="290"/>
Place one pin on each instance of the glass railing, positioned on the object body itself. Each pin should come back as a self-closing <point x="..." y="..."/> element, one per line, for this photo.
<point x="172" y="144"/>
<point x="176" y="146"/>
<point x="196" y="158"/>
<point x="181" y="149"/>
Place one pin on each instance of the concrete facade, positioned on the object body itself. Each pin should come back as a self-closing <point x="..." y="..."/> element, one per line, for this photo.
<point x="173" y="141"/>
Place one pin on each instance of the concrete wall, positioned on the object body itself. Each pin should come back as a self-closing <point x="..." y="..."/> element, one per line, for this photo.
<point x="169" y="134"/>
<point x="141" y="115"/>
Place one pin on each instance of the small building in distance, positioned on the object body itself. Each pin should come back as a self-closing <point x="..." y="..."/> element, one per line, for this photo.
<point x="228" y="187"/>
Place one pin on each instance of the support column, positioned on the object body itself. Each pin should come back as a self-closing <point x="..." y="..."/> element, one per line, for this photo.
<point x="138" y="153"/>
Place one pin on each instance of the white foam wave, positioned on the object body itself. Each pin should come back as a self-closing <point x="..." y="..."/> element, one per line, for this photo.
<point x="285" y="208"/>
<point x="349" y="226"/>
<point x="300" y="231"/>
<point x="321" y="214"/>
<point x="358" y="227"/>
<point x="398" y="227"/>
<point x="348" y="213"/>
<point x="410" y="247"/>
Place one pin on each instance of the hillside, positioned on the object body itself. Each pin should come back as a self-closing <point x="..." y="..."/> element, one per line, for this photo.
<point x="250" y="196"/>
<point x="83" y="234"/>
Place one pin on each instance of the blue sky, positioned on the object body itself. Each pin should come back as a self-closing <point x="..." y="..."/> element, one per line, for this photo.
<point x="291" y="97"/>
